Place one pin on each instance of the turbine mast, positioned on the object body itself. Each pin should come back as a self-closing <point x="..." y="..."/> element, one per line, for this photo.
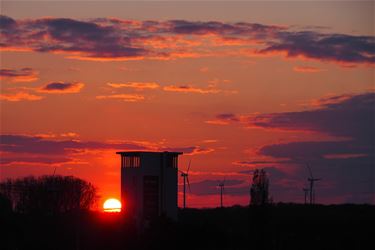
<point x="312" y="180"/>
<point x="221" y="186"/>
<point x="185" y="176"/>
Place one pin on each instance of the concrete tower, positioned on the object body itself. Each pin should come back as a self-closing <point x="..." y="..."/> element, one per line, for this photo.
<point x="149" y="184"/>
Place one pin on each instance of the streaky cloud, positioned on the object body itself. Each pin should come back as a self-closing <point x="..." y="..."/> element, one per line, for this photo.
<point x="20" y="96"/>
<point x="135" y="85"/>
<point x="122" y="97"/>
<point x="21" y="75"/>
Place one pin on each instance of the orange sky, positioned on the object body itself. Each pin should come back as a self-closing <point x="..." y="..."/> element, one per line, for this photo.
<point x="80" y="81"/>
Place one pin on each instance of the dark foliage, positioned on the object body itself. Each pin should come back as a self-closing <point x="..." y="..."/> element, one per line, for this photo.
<point x="48" y="194"/>
<point x="259" y="188"/>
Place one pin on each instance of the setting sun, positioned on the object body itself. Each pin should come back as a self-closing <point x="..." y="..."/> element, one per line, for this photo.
<point x="112" y="205"/>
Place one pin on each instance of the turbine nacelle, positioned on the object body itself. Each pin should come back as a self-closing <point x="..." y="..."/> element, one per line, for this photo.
<point x="313" y="179"/>
<point x="183" y="174"/>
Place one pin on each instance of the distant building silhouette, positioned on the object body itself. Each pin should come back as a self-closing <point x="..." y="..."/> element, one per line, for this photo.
<point x="149" y="184"/>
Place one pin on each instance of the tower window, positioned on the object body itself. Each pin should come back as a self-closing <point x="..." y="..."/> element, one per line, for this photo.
<point x="172" y="161"/>
<point x="131" y="161"/>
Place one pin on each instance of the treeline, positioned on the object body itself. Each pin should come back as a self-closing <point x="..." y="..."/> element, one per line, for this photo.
<point x="47" y="194"/>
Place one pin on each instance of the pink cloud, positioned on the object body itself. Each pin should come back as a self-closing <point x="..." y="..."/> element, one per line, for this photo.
<point x="307" y="69"/>
<point x="135" y="85"/>
<point x="191" y="89"/>
<point x="123" y="97"/>
<point x="20" y="96"/>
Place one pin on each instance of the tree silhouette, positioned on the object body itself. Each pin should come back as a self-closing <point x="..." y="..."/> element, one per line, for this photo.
<point x="259" y="188"/>
<point x="49" y="194"/>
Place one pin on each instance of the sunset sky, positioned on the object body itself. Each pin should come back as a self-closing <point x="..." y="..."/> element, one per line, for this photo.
<point x="236" y="86"/>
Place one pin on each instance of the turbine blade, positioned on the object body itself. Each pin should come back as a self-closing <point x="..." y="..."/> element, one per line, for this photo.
<point x="188" y="167"/>
<point x="188" y="182"/>
<point x="309" y="169"/>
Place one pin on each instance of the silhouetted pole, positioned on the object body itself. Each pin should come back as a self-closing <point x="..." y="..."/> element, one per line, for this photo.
<point x="221" y="195"/>
<point x="184" y="191"/>
<point x="185" y="175"/>
<point x="306" y="190"/>
<point x="312" y="191"/>
<point x="312" y="180"/>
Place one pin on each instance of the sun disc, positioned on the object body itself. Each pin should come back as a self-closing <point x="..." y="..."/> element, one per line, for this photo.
<point x="112" y="205"/>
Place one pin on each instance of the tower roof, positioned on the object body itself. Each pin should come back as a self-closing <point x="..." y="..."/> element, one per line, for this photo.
<point x="134" y="153"/>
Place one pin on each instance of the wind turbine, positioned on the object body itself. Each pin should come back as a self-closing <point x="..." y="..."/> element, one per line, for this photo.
<point x="185" y="175"/>
<point x="306" y="191"/>
<point x="221" y="186"/>
<point x="312" y="180"/>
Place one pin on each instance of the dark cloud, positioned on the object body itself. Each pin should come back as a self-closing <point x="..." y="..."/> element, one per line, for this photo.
<point x="186" y="27"/>
<point x="350" y="116"/>
<point x="6" y="22"/>
<point x="191" y="89"/>
<point x="346" y="164"/>
<point x="219" y="28"/>
<point x="34" y="149"/>
<point x="330" y="47"/>
<point x="88" y="37"/>
<point x="21" y="75"/>
<point x="31" y="151"/>
<point x="15" y="73"/>
<point x="227" y="117"/>
<point x="62" y="87"/>
<point x="71" y="36"/>
<point x="38" y="160"/>
<point x="58" y="86"/>
<point x="38" y="145"/>
<point x="115" y="39"/>
<point x="317" y="150"/>
<point x="193" y="150"/>
<point x="68" y="30"/>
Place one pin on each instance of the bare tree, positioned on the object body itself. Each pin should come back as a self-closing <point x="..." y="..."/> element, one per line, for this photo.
<point x="49" y="194"/>
<point x="259" y="188"/>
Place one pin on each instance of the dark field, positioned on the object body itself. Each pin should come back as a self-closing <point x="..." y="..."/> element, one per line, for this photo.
<point x="282" y="226"/>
